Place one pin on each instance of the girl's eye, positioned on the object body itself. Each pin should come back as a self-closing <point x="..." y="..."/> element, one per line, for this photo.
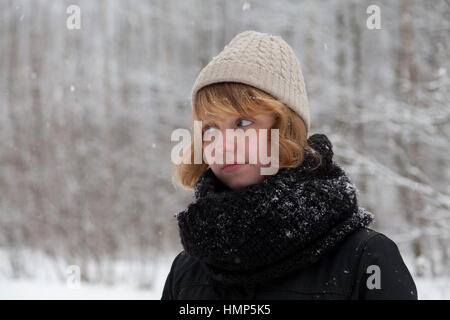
<point x="240" y="122"/>
<point x="207" y="128"/>
<point x="245" y="121"/>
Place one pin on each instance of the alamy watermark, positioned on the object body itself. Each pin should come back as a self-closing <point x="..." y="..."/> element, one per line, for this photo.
<point x="374" y="20"/>
<point x="213" y="151"/>
<point x="73" y="280"/>
<point x="374" y="280"/>
<point x="73" y="21"/>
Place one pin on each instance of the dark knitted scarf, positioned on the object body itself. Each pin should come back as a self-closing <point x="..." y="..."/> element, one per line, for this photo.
<point x="275" y="227"/>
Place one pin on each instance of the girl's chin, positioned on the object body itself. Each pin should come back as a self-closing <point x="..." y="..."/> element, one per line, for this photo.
<point x="241" y="181"/>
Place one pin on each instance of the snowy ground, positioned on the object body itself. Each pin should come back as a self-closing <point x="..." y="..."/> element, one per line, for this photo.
<point x="42" y="289"/>
<point x="42" y="282"/>
<point x="27" y="289"/>
<point x="433" y="289"/>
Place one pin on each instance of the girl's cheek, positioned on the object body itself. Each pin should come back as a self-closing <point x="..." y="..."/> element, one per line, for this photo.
<point x="241" y="151"/>
<point x="264" y="152"/>
<point x="209" y="153"/>
<point x="251" y="150"/>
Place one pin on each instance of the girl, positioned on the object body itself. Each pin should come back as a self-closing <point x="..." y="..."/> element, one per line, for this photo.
<point x="295" y="234"/>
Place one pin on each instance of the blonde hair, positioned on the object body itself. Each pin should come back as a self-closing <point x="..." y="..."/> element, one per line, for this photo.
<point x="214" y="101"/>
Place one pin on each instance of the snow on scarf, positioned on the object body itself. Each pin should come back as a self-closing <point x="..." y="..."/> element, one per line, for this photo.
<point x="275" y="227"/>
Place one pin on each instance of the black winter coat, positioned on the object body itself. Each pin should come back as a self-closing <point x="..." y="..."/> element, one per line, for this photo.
<point x="343" y="273"/>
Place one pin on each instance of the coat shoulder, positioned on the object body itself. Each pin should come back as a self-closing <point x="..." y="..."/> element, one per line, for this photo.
<point x="359" y="238"/>
<point x="366" y="239"/>
<point x="349" y="251"/>
<point x="188" y="269"/>
<point x="381" y="272"/>
<point x="184" y="268"/>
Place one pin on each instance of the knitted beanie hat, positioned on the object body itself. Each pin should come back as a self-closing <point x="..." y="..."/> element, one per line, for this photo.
<point x="263" y="61"/>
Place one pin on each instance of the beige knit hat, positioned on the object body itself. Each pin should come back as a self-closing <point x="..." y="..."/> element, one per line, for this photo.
<point x="261" y="60"/>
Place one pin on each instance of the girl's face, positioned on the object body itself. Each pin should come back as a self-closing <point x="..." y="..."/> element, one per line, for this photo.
<point x="239" y="176"/>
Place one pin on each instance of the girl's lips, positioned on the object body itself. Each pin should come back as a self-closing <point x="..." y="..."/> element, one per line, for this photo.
<point x="233" y="167"/>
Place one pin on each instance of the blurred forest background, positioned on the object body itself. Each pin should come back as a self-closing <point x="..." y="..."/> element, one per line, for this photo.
<point x="86" y="117"/>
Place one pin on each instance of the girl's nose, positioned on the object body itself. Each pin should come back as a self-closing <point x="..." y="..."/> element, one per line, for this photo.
<point x="224" y="146"/>
<point x="228" y="143"/>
